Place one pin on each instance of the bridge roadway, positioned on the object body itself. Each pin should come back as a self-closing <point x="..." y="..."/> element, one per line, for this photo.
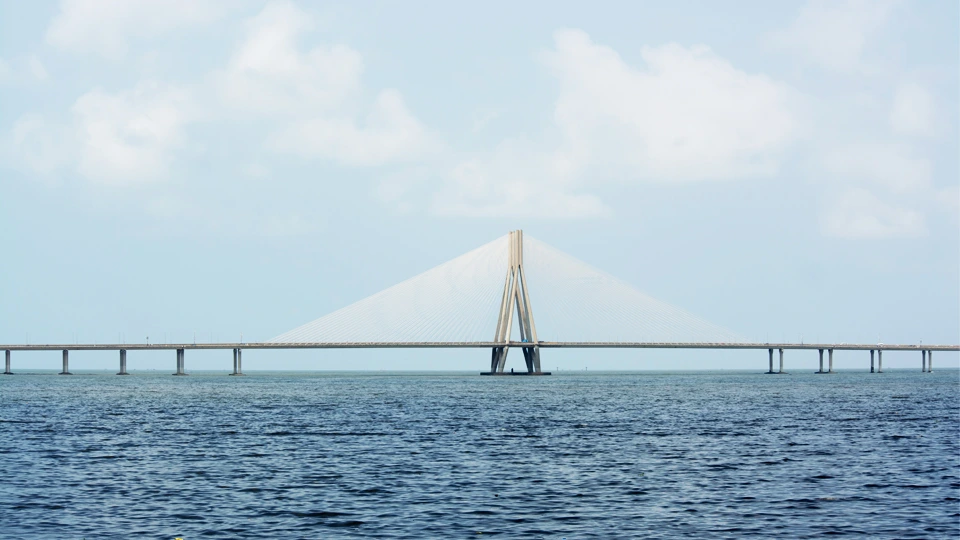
<point x="925" y="350"/>
<point x="478" y="345"/>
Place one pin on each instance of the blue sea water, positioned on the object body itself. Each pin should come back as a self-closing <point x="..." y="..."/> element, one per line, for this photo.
<point x="401" y="455"/>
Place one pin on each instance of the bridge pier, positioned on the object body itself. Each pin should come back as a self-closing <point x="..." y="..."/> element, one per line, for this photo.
<point x="821" y="360"/>
<point x="923" y="361"/>
<point x="929" y="361"/>
<point x="237" y="362"/>
<point x="123" y="362"/>
<point x="770" y="351"/>
<point x="180" y="362"/>
<point x="781" y="361"/>
<point x="830" y="359"/>
<point x="871" y="361"/>
<point x="66" y="363"/>
<point x="879" y="360"/>
<point x="6" y="370"/>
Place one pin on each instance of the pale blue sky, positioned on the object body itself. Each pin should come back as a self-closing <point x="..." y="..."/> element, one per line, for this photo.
<point x="783" y="169"/>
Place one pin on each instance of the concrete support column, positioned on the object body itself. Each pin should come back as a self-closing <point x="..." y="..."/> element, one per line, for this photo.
<point x="923" y="361"/>
<point x="180" y="362"/>
<point x="771" y="360"/>
<point x="66" y="363"/>
<point x="821" y="360"/>
<point x="880" y="361"/>
<point x="929" y="361"/>
<point x="871" y="361"/>
<point x="781" y="361"/>
<point x="123" y="362"/>
<point x="237" y="362"/>
<point x="830" y="359"/>
<point x="6" y="370"/>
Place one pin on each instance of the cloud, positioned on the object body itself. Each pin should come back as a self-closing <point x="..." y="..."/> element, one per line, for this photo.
<point x="877" y="181"/>
<point x="856" y="213"/>
<point x="483" y="117"/>
<point x="22" y="70"/>
<point x="913" y="110"/>
<point x="121" y="138"/>
<point x="874" y="190"/>
<point x="130" y="136"/>
<point x="687" y="114"/>
<point x="105" y="27"/>
<point x="684" y="115"/>
<point x="390" y="133"/>
<point x="255" y="170"/>
<point x="268" y="74"/>
<point x="515" y="179"/>
<point x="36" y="68"/>
<point x="311" y="103"/>
<point x="37" y="145"/>
<point x="834" y="33"/>
<point x="894" y="167"/>
<point x="949" y="200"/>
<point x="314" y="97"/>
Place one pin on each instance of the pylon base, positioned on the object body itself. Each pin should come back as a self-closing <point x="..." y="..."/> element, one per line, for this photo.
<point x="514" y="373"/>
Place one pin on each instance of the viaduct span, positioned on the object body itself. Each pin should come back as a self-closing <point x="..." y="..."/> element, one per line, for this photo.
<point x="456" y="304"/>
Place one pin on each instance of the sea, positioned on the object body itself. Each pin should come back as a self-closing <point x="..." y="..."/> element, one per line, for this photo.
<point x="456" y="455"/>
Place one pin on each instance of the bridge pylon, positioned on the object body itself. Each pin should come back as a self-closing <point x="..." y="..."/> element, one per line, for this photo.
<point x="515" y="294"/>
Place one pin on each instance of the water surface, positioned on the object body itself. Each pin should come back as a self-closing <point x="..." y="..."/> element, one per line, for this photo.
<point x="393" y="455"/>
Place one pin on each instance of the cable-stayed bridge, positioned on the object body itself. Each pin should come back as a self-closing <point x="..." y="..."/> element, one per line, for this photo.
<point x="485" y="299"/>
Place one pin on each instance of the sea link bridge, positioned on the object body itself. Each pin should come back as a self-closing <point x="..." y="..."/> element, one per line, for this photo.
<point x="483" y="299"/>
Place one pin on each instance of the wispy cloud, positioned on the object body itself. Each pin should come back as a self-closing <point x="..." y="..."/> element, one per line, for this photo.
<point x="836" y="34"/>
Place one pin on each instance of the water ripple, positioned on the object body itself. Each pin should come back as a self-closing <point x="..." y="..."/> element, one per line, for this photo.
<point x="726" y="455"/>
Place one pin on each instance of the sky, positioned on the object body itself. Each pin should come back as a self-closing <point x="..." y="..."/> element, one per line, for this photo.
<point x="200" y="170"/>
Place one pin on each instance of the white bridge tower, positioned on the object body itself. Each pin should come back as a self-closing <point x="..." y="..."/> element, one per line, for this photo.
<point x="515" y="294"/>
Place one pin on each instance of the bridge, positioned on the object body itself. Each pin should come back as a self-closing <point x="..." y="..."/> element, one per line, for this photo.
<point x="488" y="291"/>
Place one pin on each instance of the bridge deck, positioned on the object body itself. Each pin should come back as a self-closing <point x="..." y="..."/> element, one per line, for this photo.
<point x="478" y="345"/>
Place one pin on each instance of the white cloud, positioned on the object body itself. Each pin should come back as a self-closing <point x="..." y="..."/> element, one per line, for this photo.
<point x="306" y="99"/>
<point x="255" y="170"/>
<point x="106" y="27"/>
<point x="949" y="200"/>
<point x="121" y="138"/>
<point x="269" y="74"/>
<point x="913" y="110"/>
<point x="36" y="68"/>
<point x="835" y="33"/>
<point x="875" y="190"/>
<point x="483" y="117"/>
<point x="314" y="97"/>
<point x="22" y="70"/>
<point x="515" y="179"/>
<point x="130" y="136"/>
<point x="390" y="133"/>
<point x="894" y="167"/>
<point x="880" y="186"/>
<point x="37" y="145"/>
<point x="685" y="115"/>
<point x="856" y="213"/>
